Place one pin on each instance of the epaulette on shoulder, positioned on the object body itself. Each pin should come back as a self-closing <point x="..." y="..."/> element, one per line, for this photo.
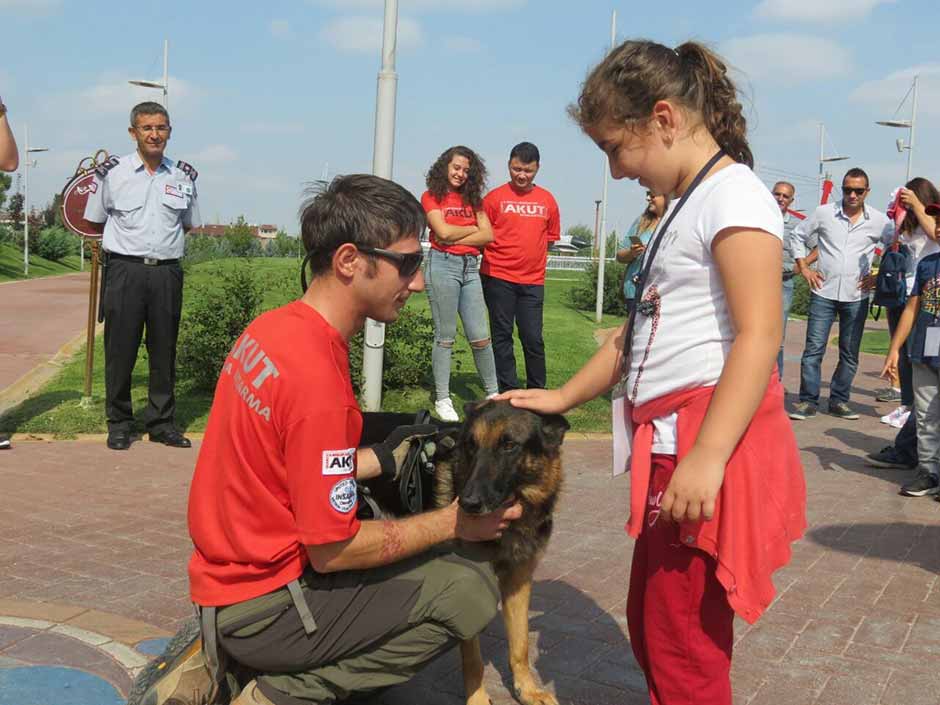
<point x="187" y="169"/>
<point x="107" y="165"/>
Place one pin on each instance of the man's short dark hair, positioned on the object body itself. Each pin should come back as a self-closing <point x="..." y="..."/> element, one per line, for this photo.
<point x="148" y="108"/>
<point x="856" y="173"/>
<point x="525" y="152"/>
<point x="361" y="209"/>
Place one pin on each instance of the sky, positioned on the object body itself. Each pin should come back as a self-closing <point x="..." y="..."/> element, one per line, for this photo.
<point x="268" y="97"/>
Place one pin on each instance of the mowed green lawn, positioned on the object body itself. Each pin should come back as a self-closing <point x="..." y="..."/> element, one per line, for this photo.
<point x="11" y="264"/>
<point x="569" y="342"/>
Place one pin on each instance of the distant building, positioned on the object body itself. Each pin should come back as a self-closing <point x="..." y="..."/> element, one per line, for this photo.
<point x="262" y="232"/>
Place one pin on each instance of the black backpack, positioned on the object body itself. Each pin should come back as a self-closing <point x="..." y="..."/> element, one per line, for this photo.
<point x="891" y="284"/>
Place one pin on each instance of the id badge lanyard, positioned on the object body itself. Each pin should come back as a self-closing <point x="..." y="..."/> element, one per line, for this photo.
<point x="621" y="408"/>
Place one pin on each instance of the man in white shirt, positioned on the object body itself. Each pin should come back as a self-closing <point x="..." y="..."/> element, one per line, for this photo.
<point x="847" y="233"/>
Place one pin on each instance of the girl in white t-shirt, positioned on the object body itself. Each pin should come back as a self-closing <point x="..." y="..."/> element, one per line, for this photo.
<point x="717" y="491"/>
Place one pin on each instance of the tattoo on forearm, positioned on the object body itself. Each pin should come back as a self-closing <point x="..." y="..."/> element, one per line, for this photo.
<point x="393" y="546"/>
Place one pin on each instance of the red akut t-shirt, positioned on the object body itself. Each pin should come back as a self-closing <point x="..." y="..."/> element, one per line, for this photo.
<point x="523" y="225"/>
<point x="277" y="466"/>
<point x="455" y="212"/>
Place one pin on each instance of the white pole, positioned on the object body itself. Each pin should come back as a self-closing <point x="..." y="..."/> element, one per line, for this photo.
<point x="383" y="150"/>
<point x="910" y="146"/>
<point x="602" y="238"/>
<point x="166" y="77"/>
<point x="821" y="140"/>
<point x="26" y="205"/>
<point x="81" y="254"/>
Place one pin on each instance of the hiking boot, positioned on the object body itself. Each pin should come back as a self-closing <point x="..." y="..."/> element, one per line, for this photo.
<point x="252" y="695"/>
<point x="444" y="408"/>
<point x="841" y="410"/>
<point x="888" y="457"/>
<point x="888" y="394"/>
<point x="181" y="676"/>
<point x="803" y="410"/>
<point x="922" y="485"/>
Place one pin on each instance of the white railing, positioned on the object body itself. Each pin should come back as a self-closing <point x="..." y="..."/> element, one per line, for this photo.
<point x="570" y="263"/>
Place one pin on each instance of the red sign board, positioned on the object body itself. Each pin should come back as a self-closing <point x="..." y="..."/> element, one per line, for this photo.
<point x="74" y="197"/>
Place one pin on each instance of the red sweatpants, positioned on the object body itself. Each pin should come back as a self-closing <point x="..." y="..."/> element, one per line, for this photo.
<point x="680" y="622"/>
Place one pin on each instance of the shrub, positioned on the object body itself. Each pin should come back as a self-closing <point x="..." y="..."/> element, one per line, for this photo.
<point x="800" y="303"/>
<point x="55" y="244"/>
<point x="583" y="295"/>
<point x="7" y="236"/>
<point x="408" y="345"/>
<point x="216" y="315"/>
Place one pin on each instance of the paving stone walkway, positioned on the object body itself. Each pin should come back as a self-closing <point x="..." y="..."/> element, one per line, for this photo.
<point x="93" y="549"/>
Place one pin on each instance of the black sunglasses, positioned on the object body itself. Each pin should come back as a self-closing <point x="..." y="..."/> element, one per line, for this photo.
<point x="848" y="190"/>
<point x="408" y="263"/>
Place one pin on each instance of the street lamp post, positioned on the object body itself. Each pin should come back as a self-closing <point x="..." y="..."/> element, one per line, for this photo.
<point x="823" y="159"/>
<point x="29" y="150"/>
<point x="909" y="124"/>
<point x="166" y="81"/>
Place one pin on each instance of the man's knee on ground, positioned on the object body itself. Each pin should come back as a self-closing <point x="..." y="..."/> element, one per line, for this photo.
<point x="480" y="344"/>
<point x="469" y="598"/>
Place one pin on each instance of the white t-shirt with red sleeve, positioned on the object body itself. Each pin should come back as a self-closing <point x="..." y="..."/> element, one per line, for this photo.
<point x="455" y="212"/>
<point x="684" y="342"/>
<point x="523" y="225"/>
<point x="277" y="466"/>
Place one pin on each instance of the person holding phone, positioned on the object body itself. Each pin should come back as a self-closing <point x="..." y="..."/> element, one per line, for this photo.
<point x="633" y="245"/>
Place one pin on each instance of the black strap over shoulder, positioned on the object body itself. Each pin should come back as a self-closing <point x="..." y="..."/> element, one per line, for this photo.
<point x="654" y="248"/>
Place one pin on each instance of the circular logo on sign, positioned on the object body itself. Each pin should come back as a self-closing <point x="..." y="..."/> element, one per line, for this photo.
<point x="74" y="197"/>
<point x="343" y="495"/>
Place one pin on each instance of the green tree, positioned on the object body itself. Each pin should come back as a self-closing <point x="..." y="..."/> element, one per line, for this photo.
<point x="15" y="209"/>
<point x="241" y="238"/>
<point x="52" y="213"/>
<point x="55" y="243"/>
<point x="285" y="246"/>
<point x="581" y="232"/>
<point x="5" y="182"/>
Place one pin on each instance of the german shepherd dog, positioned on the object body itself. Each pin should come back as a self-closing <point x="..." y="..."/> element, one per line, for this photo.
<point x="502" y="454"/>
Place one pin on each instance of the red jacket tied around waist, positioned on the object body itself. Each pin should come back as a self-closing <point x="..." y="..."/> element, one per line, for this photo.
<point x="761" y="507"/>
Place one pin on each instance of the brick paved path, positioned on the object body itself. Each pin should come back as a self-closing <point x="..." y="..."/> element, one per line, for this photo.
<point x="93" y="548"/>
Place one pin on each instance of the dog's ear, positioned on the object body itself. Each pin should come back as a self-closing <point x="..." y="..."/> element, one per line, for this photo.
<point x="471" y="406"/>
<point x="553" y="429"/>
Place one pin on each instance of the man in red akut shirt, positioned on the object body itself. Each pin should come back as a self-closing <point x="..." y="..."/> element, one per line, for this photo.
<point x="525" y="220"/>
<point x="289" y="583"/>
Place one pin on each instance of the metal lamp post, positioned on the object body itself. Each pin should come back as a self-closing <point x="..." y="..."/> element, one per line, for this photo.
<point x="909" y="125"/>
<point x="29" y="150"/>
<point x="166" y="81"/>
<point x="824" y="159"/>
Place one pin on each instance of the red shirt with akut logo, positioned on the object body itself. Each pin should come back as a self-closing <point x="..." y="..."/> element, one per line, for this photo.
<point x="523" y="225"/>
<point x="455" y="212"/>
<point x="277" y="467"/>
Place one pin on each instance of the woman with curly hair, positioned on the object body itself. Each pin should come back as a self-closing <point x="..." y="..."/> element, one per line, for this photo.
<point x="459" y="230"/>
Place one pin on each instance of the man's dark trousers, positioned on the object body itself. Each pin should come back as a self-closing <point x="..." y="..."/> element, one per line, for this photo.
<point x="136" y="295"/>
<point x="511" y="305"/>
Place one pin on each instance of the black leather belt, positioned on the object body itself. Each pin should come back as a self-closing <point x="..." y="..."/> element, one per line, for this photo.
<point x="149" y="261"/>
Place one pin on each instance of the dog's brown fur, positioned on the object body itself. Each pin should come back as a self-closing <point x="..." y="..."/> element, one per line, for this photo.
<point x="504" y="453"/>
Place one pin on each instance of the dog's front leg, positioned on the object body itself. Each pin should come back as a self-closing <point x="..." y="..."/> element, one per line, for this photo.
<point x="472" y="662"/>
<point x="516" y="591"/>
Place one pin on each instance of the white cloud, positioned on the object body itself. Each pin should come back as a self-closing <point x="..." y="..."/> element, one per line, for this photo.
<point x="817" y="10"/>
<point x="280" y="29"/>
<point x="787" y="58"/>
<point x="886" y="93"/>
<point x="358" y="33"/>
<point x="468" y="6"/>
<point x="466" y="45"/>
<point x="112" y="95"/>
<point x="215" y="154"/>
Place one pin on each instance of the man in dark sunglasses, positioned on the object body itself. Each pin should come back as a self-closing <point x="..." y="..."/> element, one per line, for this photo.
<point x="281" y="557"/>
<point x="846" y="234"/>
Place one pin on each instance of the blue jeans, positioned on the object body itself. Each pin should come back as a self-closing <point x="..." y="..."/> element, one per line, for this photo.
<point x="822" y="312"/>
<point x="787" y="302"/>
<point x="453" y="285"/>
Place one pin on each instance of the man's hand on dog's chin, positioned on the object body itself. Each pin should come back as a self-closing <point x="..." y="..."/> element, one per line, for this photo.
<point x="484" y="527"/>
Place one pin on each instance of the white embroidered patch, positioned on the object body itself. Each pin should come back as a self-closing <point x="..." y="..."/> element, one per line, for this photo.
<point x="343" y="495"/>
<point x="339" y="462"/>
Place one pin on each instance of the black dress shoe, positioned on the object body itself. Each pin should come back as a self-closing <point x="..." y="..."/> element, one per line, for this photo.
<point x="171" y="438"/>
<point x="119" y="439"/>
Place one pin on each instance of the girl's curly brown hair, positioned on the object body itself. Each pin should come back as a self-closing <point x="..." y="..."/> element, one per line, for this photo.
<point x="472" y="190"/>
<point x="926" y="193"/>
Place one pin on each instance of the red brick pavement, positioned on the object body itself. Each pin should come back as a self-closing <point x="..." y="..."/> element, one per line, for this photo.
<point x="856" y="621"/>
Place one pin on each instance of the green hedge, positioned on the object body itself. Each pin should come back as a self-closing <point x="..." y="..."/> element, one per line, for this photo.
<point x="583" y="295"/>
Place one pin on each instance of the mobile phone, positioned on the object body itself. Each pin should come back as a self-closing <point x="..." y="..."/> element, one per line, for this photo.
<point x="636" y="240"/>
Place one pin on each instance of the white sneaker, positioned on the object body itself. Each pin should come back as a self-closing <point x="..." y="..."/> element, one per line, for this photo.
<point x="892" y="418"/>
<point x="899" y="421"/>
<point x="444" y="408"/>
<point x="493" y="395"/>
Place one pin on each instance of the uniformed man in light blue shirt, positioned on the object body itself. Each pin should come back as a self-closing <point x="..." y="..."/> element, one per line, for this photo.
<point x="847" y="233"/>
<point x="146" y="203"/>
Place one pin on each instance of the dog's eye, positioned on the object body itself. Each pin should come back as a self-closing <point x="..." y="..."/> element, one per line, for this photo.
<point x="509" y="446"/>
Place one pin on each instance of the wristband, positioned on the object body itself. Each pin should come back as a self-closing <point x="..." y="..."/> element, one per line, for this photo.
<point x="386" y="460"/>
